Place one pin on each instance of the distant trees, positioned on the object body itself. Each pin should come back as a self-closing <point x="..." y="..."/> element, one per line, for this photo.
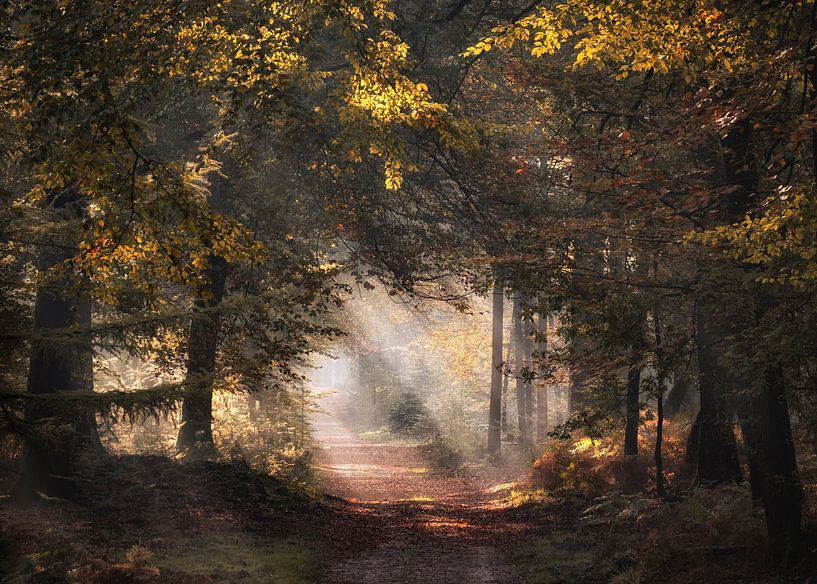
<point x="633" y="132"/>
<point x="644" y="172"/>
<point x="132" y="134"/>
<point x="686" y="150"/>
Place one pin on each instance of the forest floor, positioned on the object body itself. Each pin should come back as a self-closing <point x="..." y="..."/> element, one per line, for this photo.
<point x="382" y="514"/>
<point x="424" y="525"/>
<point x="386" y="517"/>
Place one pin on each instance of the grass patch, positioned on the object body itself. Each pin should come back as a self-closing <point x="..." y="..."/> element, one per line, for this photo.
<point x="560" y="558"/>
<point x="238" y="557"/>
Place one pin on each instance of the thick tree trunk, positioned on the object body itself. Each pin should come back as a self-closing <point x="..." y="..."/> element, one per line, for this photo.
<point x="61" y="361"/>
<point x="196" y="431"/>
<point x="633" y="410"/>
<point x="711" y="446"/>
<point x="750" y="430"/>
<point x="495" y="402"/>
<point x="771" y="445"/>
<point x="779" y="480"/>
<point x="576" y="393"/>
<point x="678" y="395"/>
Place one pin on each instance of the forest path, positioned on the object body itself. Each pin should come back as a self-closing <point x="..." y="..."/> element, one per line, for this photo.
<point x="423" y="526"/>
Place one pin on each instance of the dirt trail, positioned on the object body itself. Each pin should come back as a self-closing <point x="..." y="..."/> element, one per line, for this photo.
<point x="424" y="526"/>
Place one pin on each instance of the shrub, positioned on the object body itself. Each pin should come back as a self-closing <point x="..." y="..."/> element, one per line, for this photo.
<point x="409" y="415"/>
<point x="592" y="467"/>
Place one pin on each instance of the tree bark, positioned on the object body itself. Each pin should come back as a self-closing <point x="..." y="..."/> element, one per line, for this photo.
<point x="677" y="397"/>
<point x="659" y="398"/>
<point x="196" y="431"/>
<point x="773" y="447"/>
<point x="495" y="401"/>
<point x="633" y="411"/>
<point x="780" y="483"/>
<point x="505" y="383"/>
<point x="541" y="385"/>
<point x="711" y="446"/>
<point x="519" y="364"/>
<point x="61" y="361"/>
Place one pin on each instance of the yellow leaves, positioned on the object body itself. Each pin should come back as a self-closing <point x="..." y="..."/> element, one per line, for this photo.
<point x="394" y="178"/>
<point x="782" y="240"/>
<point x="631" y="36"/>
<point x="482" y="46"/>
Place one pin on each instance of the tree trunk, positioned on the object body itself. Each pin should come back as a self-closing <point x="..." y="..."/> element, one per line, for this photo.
<point x="749" y="427"/>
<point x="196" y="431"/>
<point x="659" y="398"/>
<point x="577" y="398"/>
<point x="633" y="411"/>
<point x="519" y="364"/>
<point x="561" y="407"/>
<point x="780" y="483"/>
<point x="495" y="403"/>
<point x="711" y="445"/>
<point x="61" y="361"/>
<point x="541" y="386"/>
<point x="773" y="447"/>
<point x="505" y="382"/>
<point x="659" y="440"/>
<point x="677" y="397"/>
<point x="530" y="399"/>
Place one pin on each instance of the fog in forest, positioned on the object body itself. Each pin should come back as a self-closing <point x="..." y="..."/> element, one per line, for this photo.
<point x="408" y="292"/>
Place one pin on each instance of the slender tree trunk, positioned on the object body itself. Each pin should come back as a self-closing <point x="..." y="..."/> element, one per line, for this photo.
<point x="495" y="404"/>
<point x="530" y="398"/>
<point x="519" y="364"/>
<point x="61" y="361"/>
<point x="659" y="398"/>
<point x="541" y="386"/>
<point x="196" y="431"/>
<point x="660" y="489"/>
<point x="633" y="411"/>
<point x="505" y="383"/>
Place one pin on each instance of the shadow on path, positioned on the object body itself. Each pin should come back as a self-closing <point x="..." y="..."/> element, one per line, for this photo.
<point x="424" y="526"/>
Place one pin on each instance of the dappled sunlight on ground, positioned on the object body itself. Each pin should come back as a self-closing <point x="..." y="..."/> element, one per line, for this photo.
<point x="428" y="525"/>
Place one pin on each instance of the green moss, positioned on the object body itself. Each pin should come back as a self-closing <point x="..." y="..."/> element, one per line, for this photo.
<point x="234" y="557"/>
